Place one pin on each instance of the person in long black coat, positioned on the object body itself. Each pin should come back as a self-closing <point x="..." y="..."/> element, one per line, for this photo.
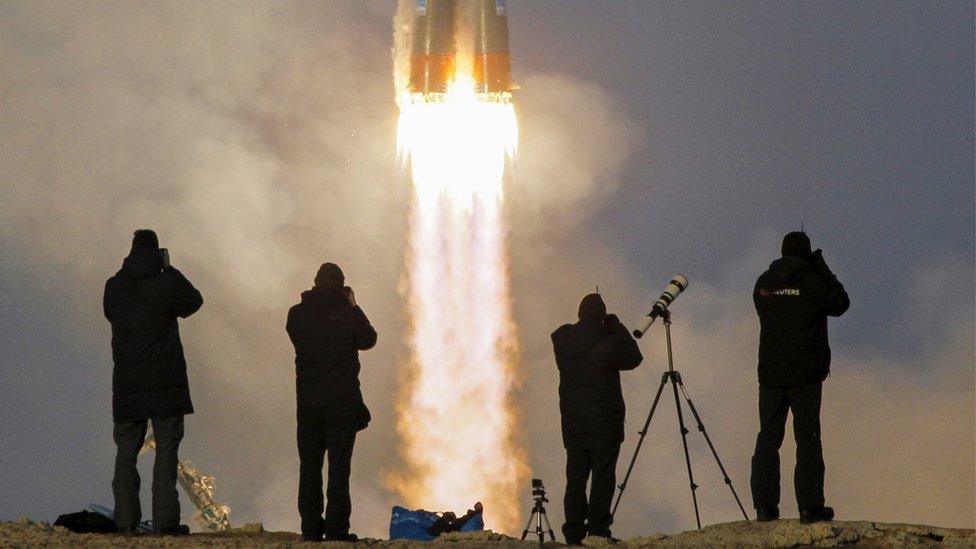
<point x="328" y="329"/>
<point x="143" y="302"/>
<point x="793" y="299"/>
<point x="590" y="355"/>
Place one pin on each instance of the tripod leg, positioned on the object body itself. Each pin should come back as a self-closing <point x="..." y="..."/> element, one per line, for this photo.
<point x="552" y="535"/>
<point x="525" y="532"/>
<point x="675" y="380"/>
<point x="538" y="527"/>
<point x="701" y="427"/>
<point x="640" y="442"/>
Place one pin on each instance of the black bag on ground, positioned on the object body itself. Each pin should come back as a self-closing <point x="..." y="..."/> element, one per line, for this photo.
<point x="86" y="522"/>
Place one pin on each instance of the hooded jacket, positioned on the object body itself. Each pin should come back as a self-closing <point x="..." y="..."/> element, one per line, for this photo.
<point x="793" y="299"/>
<point x="328" y="332"/>
<point x="590" y="355"/>
<point x="142" y="302"/>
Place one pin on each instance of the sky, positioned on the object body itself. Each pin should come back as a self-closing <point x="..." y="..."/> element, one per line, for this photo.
<point x="257" y="138"/>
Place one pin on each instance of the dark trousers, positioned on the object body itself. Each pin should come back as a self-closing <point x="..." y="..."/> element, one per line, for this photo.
<point x="318" y="434"/>
<point x="593" y="516"/>
<point x="808" y="477"/>
<point x="129" y="438"/>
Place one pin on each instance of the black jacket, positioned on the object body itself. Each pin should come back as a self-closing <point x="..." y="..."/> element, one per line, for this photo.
<point x="328" y="334"/>
<point x="793" y="299"/>
<point x="590" y="356"/>
<point x="143" y="301"/>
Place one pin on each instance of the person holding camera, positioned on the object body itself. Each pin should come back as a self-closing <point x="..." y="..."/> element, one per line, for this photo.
<point x="328" y="329"/>
<point x="143" y="302"/>
<point x="590" y="355"/>
<point x="793" y="299"/>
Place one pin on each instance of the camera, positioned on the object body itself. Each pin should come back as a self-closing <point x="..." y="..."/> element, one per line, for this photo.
<point x="164" y="254"/>
<point x="671" y="292"/>
<point x="538" y="489"/>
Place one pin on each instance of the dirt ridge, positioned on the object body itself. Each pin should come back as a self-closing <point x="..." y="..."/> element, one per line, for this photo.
<point x="781" y="533"/>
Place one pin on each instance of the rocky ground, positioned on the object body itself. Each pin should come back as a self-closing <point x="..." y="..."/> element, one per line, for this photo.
<point x="781" y="533"/>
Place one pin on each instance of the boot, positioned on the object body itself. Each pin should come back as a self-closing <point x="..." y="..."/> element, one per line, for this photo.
<point x="823" y="514"/>
<point x="767" y="514"/>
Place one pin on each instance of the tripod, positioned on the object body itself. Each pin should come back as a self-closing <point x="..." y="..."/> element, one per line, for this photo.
<point x="674" y="378"/>
<point x="539" y="516"/>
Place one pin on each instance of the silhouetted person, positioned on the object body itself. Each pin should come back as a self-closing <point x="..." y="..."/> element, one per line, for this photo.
<point x="328" y="330"/>
<point x="793" y="299"/>
<point x="143" y="301"/>
<point x="590" y="355"/>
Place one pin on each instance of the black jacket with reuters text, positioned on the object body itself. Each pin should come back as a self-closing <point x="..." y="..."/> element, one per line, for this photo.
<point x="143" y="302"/>
<point x="793" y="298"/>
<point x="328" y="333"/>
<point x="590" y="356"/>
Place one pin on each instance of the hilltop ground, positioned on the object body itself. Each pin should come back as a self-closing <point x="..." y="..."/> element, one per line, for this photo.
<point x="782" y="533"/>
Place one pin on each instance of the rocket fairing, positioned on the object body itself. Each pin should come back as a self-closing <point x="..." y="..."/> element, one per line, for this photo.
<point x="439" y="25"/>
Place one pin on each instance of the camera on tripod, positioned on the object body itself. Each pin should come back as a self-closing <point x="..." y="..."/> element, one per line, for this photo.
<point x="539" y="490"/>
<point x="660" y="309"/>
<point x="671" y="292"/>
<point x="538" y="515"/>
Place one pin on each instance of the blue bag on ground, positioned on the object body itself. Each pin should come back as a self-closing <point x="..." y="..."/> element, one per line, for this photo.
<point x="421" y="525"/>
<point x="407" y="524"/>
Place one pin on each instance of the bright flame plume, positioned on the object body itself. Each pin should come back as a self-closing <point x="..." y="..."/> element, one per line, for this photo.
<point x="456" y="415"/>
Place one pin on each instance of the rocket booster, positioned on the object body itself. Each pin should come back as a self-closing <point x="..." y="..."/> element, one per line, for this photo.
<point x="492" y="62"/>
<point x="440" y="26"/>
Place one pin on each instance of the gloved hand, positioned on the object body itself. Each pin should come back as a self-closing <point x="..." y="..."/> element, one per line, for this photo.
<point x="820" y="265"/>
<point x="350" y="295"/>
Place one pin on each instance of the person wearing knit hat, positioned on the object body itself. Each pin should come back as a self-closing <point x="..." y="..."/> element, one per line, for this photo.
<point x="796" y="244"/>
<point x="590" y="355"/>
<point x="145" y="238"/>
<point x="592" y="308"/>
<point x="330" y="276"/>
<point x="328" y="329"/>
<point x="144" y="302"/>
<point x="793" y="299"/>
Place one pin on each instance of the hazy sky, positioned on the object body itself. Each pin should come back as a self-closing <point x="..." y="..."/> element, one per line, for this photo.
<point x="657" y="137"/>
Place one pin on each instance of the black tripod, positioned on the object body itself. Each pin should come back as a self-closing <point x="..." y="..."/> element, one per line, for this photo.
<point x="675" y="378"/>
<point x="539" y="515"/>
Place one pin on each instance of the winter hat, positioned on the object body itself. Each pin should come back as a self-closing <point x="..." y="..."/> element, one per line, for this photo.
<point x="796" y="244"/>
<point x="145" y="238"/>
<point x="592" y="308"/>
<point x="330" y="276"/>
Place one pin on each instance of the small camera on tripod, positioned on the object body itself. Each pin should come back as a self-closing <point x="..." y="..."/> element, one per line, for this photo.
<point x="538" y="515"/>
<point x="539" y="489"/>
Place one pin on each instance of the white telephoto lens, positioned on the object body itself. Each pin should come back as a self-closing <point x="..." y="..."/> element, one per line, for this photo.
<point x="645" y="324"/>
<point x="671" y="292"/>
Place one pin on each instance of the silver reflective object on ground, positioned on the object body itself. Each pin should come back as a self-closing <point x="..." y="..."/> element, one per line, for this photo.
<point x="210" y="515"/>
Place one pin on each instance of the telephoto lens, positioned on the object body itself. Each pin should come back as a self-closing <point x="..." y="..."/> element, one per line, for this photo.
<point x="671" y="292"/>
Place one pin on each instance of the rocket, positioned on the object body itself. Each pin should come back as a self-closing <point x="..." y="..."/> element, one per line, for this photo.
<point x="443" y="30"/>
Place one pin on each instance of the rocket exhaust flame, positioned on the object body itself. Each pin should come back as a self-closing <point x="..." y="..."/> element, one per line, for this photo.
<point x="456" y="415"/>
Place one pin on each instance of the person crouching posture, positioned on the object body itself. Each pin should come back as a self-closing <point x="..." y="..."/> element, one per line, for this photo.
<point x="590" y="355"/>
<point x="328" y="329"/>
<point x="793" y="299"/>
